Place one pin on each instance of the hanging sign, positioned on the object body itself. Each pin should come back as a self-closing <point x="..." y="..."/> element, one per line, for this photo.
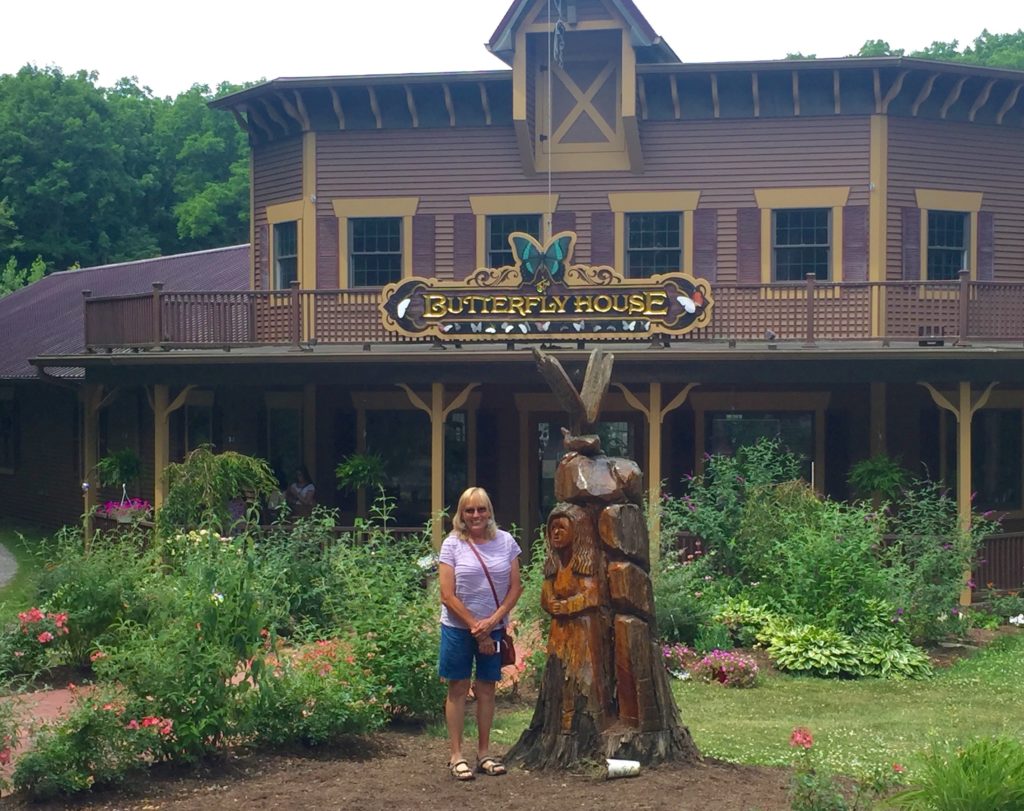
<point x="543" y="295"/>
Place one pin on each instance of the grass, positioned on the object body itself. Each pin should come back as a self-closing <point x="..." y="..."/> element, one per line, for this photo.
<point x="21" y="541"/>
<point x="856" y="724"/>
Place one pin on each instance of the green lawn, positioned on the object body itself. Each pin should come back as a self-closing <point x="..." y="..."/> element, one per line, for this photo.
<point x="856" y="724"/>
<point x="20" y="542"/>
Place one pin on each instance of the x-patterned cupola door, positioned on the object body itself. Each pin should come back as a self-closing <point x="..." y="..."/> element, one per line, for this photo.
<point x="585" y="97"/>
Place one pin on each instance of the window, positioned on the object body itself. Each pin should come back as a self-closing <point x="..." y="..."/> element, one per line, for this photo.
<point x="499" y="252"/>
<point x="286" y="254"/>
<point x="8" y="432"/>
<point x="729" y="431"/>
<point x="997" y="448"/>
<point x="375" y="257"/>
<point x="947" y="244"/>
<point x="654" y="244"/>
<point x="800" y="243"/>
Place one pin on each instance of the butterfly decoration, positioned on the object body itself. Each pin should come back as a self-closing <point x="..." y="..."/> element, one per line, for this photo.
<point x="692" y="302"/>
<point x="532" y="258"/>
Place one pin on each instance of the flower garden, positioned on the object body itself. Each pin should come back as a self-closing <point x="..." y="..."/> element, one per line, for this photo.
<point x="211" y="634"/>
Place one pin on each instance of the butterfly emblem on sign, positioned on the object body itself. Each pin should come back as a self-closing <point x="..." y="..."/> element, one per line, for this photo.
<point x="535" y="261"/>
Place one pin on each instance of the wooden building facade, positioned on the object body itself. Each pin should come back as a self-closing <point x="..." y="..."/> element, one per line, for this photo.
<point x="860" y="222"/>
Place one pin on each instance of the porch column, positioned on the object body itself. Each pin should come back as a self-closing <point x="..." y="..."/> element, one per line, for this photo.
<point x="361" y="448"/>
<point x="163" y="407"/>
<point x="438" y="413"/>
<point x="654" y="414"/>
<point x="91" y="397"/>
<point x="964" y="413"/>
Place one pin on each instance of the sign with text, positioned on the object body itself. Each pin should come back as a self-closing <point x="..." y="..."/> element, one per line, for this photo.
<point x="544" y="295"/>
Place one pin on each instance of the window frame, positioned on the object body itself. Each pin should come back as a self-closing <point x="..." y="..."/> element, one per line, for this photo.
<point x="490" y="205"/>
<point x="954" y="202"/>
<point x="630" y="251"/>
<point x="348" y="208"/>
<point x="277" y="280"/>
<point x="490" y="251"/>
<point x="283" y="214"/>
<point x="828" y="245"/>
<point x="684" y="202"/>
<point x="395" y="222"/>
<point x="830" y="197"/>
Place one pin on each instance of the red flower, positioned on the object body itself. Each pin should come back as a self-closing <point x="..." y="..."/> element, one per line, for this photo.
<point x="45" y="637"/>
<point x="801" y="737"/>
<point x="151" y="721"/>
<point x="898" y="768"/>
<point x="5" y="756"/>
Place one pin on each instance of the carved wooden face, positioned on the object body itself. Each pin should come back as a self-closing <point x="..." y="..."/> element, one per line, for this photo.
<point x="560" y="532"/>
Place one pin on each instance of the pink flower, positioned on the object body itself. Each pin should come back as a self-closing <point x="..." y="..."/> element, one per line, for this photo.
<point x="45" y="637"/>
<point x="133" y="724"/>
<point x="5" y="756"/>
<point x="95" y="656"/>
<point x="898" y="768"/>
<point x="151" y="721"/>
<point x="801" y="737"/>
<point x="168" y="727"/>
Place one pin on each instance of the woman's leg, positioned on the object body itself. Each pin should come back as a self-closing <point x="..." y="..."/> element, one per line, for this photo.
<point x="484" y="715"/>
<point x="455" y="715"/>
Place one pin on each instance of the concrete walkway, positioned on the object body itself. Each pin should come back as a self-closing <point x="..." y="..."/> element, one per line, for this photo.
<point x="8" y="566"/>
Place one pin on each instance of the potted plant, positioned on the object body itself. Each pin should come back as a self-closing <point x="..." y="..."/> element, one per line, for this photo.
<point x="121" y="467"/>
<point x="360" y="470"/>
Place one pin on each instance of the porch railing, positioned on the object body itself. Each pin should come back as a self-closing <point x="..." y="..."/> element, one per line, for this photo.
<point x="955" y="311"/>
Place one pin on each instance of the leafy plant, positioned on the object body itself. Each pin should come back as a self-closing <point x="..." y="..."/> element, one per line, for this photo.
<point x="119" y="467"/>
<point x="711" y="637"/>
<point x="1006" y="605"/>
<point x="985" y="774"/>
<point x="881" y="477"/>
<point x="360" y="470"/>
<point x="201" y="488"/>
<point x="684" y="600"/>
<point x="726" y="668"/>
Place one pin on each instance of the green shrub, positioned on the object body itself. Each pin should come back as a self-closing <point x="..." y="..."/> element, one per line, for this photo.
<point x="986" y="774"/>
<point x="711" y="637"/>
<point x="684" y="601"/>
<point x="726" y="668"/>
<point x="810" y="649"/>
<point x="201" y="487"/>
<point x="318" y="693"/>
<point x="97" y="745"/>
<point x="881" y="476"/>
<point x="1006" y="605"/>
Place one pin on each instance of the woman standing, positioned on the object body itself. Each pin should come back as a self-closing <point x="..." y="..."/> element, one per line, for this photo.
<point x="475" y="556"/>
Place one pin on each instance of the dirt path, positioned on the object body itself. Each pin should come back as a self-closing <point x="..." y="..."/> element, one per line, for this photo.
<point x="394" y="771"/>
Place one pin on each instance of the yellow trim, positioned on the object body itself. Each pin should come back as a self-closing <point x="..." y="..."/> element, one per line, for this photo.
<point x="959" y="201"/>
<point x="307" y="227"/>
<point x="279" y="214"/>
<point x="878" y="212"/>
<point x="487" y="205"/>
<point x="347" y="208"/>
<point x="831" y="197"/>
<point x="639" y="202"/>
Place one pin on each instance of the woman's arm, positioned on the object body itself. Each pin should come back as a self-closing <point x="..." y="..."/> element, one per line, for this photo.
<point x="515" y="590"/>
<point x="446" y="578"/>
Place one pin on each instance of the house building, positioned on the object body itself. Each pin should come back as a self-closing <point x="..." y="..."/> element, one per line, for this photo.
<point x="847" y="233"/>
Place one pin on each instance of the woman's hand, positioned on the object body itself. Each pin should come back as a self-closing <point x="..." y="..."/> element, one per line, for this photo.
<point x="486" y="646"/>
<point x="482" y="628"/>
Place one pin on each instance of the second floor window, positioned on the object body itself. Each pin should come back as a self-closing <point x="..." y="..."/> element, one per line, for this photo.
<point x="947" y="244"/>
<point x="654" y="244"/>
<point x="800" y="243"/>
<point x="499" y="226"/>
<point x="375" y="251"/>
<point x="286" y="254"/>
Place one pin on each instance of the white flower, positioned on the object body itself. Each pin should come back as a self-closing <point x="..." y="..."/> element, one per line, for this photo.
<point x="216" y="598"/>
<point x="1018" y="620"/>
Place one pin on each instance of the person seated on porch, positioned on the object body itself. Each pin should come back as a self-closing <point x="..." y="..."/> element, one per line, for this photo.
<point x="301" y="493"/>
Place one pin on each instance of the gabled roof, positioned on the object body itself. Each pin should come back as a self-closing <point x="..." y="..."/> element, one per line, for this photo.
<point x="641" y="34"/>
<point x="48" y="316"/>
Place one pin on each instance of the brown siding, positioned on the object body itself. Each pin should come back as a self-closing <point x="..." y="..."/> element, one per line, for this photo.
<point x="327" y="252"/>
<point x="748" y="246"/>
<point x="855" y="244"/>
<point x="986" y="246"/>
<point x="602" y="238"/>
<point x="45" y="488"/>
<point x="705" y="244"/>
<point x="423" y="247"/>
<point x="724" y="160"/>
<point x="960" y="157"/>
<point x="277" y="178"/>
<point x="464" y="258"/>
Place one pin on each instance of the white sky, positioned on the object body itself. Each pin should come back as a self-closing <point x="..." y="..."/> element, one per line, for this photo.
<point x="169" y="46"/>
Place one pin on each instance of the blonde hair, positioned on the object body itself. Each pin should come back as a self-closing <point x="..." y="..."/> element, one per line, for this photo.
<point x="459" y="523"/>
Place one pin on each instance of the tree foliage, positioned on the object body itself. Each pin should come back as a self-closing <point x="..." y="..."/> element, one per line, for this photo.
<point x="992" y="50"/>
<point x="92" y="175"/>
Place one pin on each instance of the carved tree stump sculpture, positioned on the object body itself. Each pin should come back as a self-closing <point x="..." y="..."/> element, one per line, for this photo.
<point x="605" y="691"/>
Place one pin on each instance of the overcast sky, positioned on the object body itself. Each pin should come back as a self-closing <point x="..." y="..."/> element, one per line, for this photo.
<point x="170" y="46"/>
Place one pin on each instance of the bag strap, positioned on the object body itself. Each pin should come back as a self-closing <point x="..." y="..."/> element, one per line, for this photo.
<point x="487" y="574"/>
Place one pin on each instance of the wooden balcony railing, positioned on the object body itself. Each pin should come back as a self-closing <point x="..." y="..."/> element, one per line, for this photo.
<point x="955" y="311"/>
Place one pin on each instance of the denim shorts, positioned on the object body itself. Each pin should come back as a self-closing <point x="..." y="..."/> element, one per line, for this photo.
<point x="458" y="651"/>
